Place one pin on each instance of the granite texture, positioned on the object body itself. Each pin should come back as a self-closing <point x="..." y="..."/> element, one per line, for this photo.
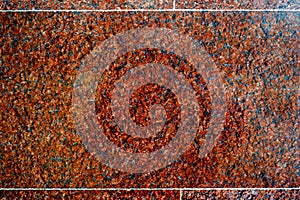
<point x="238" y="4"/>
<point x="247" y="194"/>
<point x="84" y="5"/>
<point x="136" y="195"/>
<point x="146" y="4"/>
<point x="258" y="54"/>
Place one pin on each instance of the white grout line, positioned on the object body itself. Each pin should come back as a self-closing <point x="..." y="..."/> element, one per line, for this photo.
<point x="180" y="195"/>
<point x="145" y="189"/>
<point x="238" y="10"/>
<point x="174" y="4"/>
<point x="161" y="10"/>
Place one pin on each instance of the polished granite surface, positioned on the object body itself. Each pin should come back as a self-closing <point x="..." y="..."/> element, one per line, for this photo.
<point x="85" y="4"/>
<point x="248" y="194"/>
<point x="256" y="55"/>
<point x="238" y="4"/>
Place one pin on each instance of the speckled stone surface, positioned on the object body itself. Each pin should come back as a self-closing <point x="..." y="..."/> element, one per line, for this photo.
<point x="238" y="4"/>
<point x="165" y="195"/>
<point x="248" y="194"/>
<point x="84" y="4"/>
<point x="258" y="54"/>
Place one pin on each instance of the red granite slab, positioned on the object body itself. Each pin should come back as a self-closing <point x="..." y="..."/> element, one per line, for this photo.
<point x="83" y="4"/>
<point x="90" y="194"/>
<point x="257" y="53"/>
<point x="238" y="4"/>
<point x="245" y="194"/>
